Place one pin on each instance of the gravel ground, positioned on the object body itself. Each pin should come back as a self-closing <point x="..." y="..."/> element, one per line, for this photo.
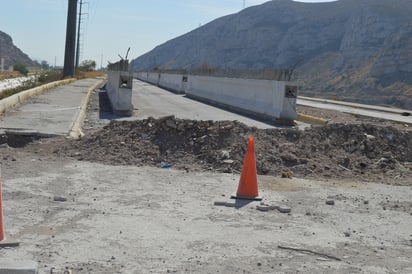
<point x="104" y="204"/>
<point x="153" y="220"/>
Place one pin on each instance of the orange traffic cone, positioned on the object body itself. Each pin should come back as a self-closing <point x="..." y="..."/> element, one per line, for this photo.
<point x="3" y="241"/>
<point x="248" y="188"/>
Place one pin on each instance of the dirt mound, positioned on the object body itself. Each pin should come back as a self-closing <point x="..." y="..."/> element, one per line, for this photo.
<point x="362" y="151"/>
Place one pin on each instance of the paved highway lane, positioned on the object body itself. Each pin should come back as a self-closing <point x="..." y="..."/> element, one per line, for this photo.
<point x="149" y="100"/>
<point x="364" y="110"/>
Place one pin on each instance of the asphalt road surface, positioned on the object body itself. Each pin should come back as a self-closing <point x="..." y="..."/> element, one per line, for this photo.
<point x="153" y="101"/>
<point x="358" y="109"/>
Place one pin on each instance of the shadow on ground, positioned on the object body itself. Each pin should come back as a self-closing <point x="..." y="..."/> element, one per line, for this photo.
<point x="105" y="108"/>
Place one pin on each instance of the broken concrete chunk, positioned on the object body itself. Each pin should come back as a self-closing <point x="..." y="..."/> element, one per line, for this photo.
<point x="222" y="203"/>
<point x="225" y="154"/>
<point x="59" y="199"/>
<point x="370" y="137"/>
<point x="284" y="209"/>
<point x="18" y="266"/>
<point x="265" y="207"/>
<point x="171" y="123"/>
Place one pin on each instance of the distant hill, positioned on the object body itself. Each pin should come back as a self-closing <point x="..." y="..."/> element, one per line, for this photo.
<point x="356" y="50"/>
<point x="13" y="55"/>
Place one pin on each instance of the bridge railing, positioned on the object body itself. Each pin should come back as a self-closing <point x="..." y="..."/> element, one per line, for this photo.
<point x="267" y="99"/>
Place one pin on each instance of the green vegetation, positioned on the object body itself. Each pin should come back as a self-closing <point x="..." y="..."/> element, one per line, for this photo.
<point x="87" y="65"/>
<point x="21" y="68"/>
<point x="49" y="76"/>
<point x="44" y="65"/>
<point x="24" y="86"/>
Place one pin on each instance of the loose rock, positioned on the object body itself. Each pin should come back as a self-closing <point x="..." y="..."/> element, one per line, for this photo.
<point x="59" y="199"/>
<point x="206" y="145"/>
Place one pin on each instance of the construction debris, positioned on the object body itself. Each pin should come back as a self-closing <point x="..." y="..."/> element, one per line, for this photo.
<point x="330" y="151"/>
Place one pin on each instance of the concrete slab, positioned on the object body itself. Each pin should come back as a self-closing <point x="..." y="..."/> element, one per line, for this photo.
<point x="52" y="113"/>
<point x="146" y="219"/>
<point x="9" y="242"/>
<point x="8" y="266"/>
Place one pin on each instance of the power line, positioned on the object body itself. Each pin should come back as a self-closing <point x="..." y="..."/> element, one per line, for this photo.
<point x="79" y="32"/>
<point x="94" y="8"/>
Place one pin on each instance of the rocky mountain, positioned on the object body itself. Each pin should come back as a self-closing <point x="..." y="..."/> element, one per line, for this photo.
<point x="12" y="55"/>
<point x="355" y="50"/>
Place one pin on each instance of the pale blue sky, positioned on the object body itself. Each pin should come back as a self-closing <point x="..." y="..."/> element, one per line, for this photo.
<point x="38" y="26"/>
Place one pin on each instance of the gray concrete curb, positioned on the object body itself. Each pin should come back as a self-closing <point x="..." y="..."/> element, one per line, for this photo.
<point x="18" y="267"/>
<point x="75" y="131"/>
<point x="13" y="100"/>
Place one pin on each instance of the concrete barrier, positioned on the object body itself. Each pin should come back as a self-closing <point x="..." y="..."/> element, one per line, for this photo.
<point x="266" y="99"/>
<point x="119" y="89"/>
<point x="153" y="78"/>
<point x="174" y="82"/>
<point x="149" y="77"/>
<point x="263" y="98"/>
<point x="141" y="75"/>
<point x="13" y="100"/>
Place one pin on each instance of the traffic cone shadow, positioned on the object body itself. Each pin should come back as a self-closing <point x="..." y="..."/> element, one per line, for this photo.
<point x="248" y="187"/>
<point x="4" y="242"/>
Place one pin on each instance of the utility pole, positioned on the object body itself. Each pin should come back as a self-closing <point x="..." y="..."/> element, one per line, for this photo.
<point x="70" y="49"/>
<point x="78" y="35"/>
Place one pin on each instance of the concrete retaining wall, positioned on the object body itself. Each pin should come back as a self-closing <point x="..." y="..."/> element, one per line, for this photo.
<point x="265" y="99"/>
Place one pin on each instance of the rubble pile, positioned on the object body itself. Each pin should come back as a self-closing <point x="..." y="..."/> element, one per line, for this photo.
<point x="356" y="151"/>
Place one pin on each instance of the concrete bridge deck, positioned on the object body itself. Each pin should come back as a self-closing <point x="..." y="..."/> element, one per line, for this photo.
<point x="51" y="113"/>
